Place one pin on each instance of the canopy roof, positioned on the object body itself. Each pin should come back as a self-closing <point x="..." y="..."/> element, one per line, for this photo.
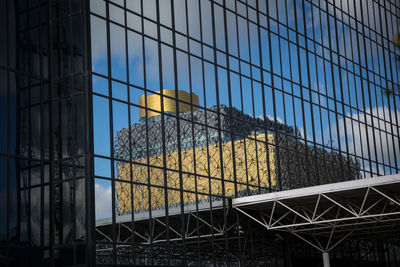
<point x="330" y="212"/>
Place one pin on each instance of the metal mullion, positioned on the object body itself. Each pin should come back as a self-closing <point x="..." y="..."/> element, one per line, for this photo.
<point x="263" y="94"/>
<point x="241" y="91"/>
<point x="252" y="94"/>
<point x="132" y="223"/>
<point x="89" y="162"/>
<point x="343" y="109"/>
<point x="228" y="72"/>
<point x="394" y="94"/>
<point x="27" y="190"/>
<point x="167" y="228"/>
<point x="376" y="102"/>
<point x="341" y="92"/>
<point x="329" y="61"/>
<point x="60" y="159"/>
<point x="388" y="97"/>
<point x="8" y="168"/>
<point x="73" y="145"/>
<point x="342" y="95"/>
<point x="363" y="101"/>
<point x="51" y="142"/>
<point x="291" y="84"/>
<point x="147" y="133"/>
<point x="277" y="134"/>
<point x="320" y="113"/>
<point x="111" y="125"/>
<point x="301" y="84"/>
<point x="178" y="131"/>
<point x="219" y="135"/>
<point x="316" y="56"/>
<point x="231" y="118"/>
<point x="193" y="140"/>
<point x="369" y="98"/>
<point x="41" y="140"/>
<point x="207" y="136"/>
<point x="374" y="89"/>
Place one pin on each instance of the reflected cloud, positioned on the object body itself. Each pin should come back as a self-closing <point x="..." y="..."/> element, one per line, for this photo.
<point x="376" y="143"/>
<point x="103" y="201"/>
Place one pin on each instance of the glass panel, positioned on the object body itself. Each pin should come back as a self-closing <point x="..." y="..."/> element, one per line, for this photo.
<point x="152" y="64"/>
<point x="101" y="126"/>
<point x="118" y="56"/>
<point x="135" y="52"/>
<point x="103" y="198"/>
<point x="168" y="67"/>
<point x="99" y="45"/>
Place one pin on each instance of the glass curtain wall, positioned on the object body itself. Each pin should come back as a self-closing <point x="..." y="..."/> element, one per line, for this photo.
<point x="44" y="133"/>
<point x="196" y="102"/>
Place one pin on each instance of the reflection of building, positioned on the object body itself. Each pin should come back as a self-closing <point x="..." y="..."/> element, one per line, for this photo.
<point x="242" y="161"/>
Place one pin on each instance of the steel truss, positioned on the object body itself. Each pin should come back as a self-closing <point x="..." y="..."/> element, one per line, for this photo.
<point x="195" y="227"/>
<point x="147" y="235"/>
<point x="324" y="216"/>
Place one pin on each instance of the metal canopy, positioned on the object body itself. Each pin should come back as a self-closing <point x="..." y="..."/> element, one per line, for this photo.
<point x="325" y="215"/>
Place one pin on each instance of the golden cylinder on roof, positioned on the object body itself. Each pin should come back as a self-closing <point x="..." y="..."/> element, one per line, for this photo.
<point x="169" y="101"/>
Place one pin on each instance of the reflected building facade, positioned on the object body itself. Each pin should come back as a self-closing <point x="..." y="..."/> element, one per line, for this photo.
<point x="127" y="126"/>
<point x="251" y="163"/>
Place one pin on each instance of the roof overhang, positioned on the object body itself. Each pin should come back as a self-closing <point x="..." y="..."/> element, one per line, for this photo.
<point x="337" y="210"/>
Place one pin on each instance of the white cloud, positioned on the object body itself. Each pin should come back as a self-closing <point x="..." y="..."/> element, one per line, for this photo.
<point x="103" y="201"/>
<point x="362" y="137"/>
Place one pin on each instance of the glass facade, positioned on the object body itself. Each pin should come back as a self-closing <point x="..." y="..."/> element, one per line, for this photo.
<point x="44" y="132"/>
<point x="127" y="126"/>
<point x="196" y="102"/>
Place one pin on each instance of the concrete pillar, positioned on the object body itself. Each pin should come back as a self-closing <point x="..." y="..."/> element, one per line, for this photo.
<point x="325" y="259"/>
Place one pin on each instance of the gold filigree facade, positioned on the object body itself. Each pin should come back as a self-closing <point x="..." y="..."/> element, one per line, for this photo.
<point x="252" y="164"/>
<point x="168" y="101"/>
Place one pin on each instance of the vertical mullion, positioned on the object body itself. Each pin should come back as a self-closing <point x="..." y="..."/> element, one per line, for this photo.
<point x="363" y="100"/>
<point x="74" y="156"/>
<point x="350" y="132"/>
<point x="370" y="102"/>
<point x="228" y="73"/>
<point x="165" y="174"/>
<point x="110" y="115"/>
<point x="241" y="91"/>
<point x="193" y="136"/>
<point x="314" y="158"/>
<point x="392" y="132"/>
<point x="8" y="168"/>
<point x="288" y="149"/>
<point x="221" y="160"/>
<point x="89" y="146"/>
<point x="147" y="137"/>
<point x="132" y="223"/>
<point x="178" y="131"/>
<point x="212" y="219"/>
<point x="207" y="136"/>
<point x="41" y="136"/>
<point x="375" y="43"/>
<point x="342" y="95"/>
<point x="263" y="95"/>
<point x="326" y="177"/>
<point x="301" y="80"/>
<point x="252" y="95"/>
<point x="385" y="132"/>
<point x="377" y="83"/>
<point x="51" y="141"/>
<point x="276" y="137"/>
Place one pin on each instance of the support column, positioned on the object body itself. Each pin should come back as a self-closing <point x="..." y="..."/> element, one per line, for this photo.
<point x="325" y="259"/>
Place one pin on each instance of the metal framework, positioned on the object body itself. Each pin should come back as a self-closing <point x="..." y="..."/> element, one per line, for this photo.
<point x="325" y="215"/>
